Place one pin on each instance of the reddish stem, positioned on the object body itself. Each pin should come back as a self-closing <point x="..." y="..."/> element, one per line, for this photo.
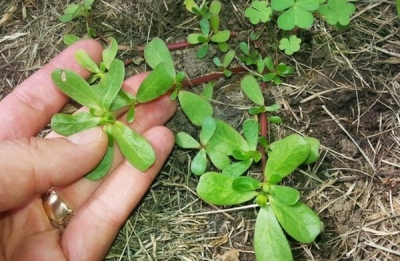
<point x="210" y="77"/>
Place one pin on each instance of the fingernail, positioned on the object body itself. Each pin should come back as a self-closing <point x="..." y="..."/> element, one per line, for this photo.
<point x="86" y="136"/>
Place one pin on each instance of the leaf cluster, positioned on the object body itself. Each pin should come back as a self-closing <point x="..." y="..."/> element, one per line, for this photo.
<point x="105" y="99"/>
<point x="209" y="27"/>
<point x="73" y="11"/>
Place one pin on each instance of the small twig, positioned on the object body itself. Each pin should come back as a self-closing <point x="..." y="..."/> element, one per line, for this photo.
<point x="348" y="134"/>
<point x="372" y="244"/>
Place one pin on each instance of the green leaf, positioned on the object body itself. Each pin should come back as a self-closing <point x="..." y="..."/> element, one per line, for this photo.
<point x="226" y="139"/>
<point x="136" y="149"/>
<point x="299" y="221"/>
<point x="291" y="45"/>
<point x="251" y="88"/>
<point x="195" y="107"/>
<point x="199" y="163"/>
<point x="287" y="195"/>
<point x="88" y="4"/>
<point x="208" y="90"/>
<point x="202" y="51"/>
<point x="314" y="153"/>
<point x="269" y="63"/>
<point x="244" y="48"/>
<point x="191" y="5"/>
<point x="130" y="115"/>
<point x="250" y="132"/>
<point x="337" y="12"/>
<point x="238" y="168"/>
<point x="214" y="22"/>
<point x="105" y="164"/>
<point x="272" y="108"/>
<point x="208" y="129"/>
<point x="205" y="27"/>
<point x="70" y="39"/>
<point x="229" y="56"/>
<point x="110" y="52"/>
<point x="196" y="38"/>
<point x="299" y="13"/>
<point x="275" y="119"/>
<point x="259" y="11"/>
<point x="219" y="159"/>
<point x="66" y="124"/>
<point x="270" y="242"/>
<point x="111" y="83"/>
<point x="244" y="184"/>
<point x="122" y="99"/>
<point x="157" y="83"/>
<point x="286" y="155"/>
<point x="184" y="140"/>
<point x="221" y="36"/>
<point x="71" y="12"/>
<point x="76" y="87"/>
<point x="223" y="47"/>
<point x="215" y="7"/>
<point x="156" y="52"/>
<point x="216" y="188"/>
<point x="86" y="61"/>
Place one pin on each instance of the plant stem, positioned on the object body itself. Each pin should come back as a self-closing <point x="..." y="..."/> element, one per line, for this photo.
<point x="210" y="77"/>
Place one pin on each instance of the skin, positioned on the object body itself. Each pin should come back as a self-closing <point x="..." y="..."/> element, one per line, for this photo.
<point x="30" y="166"/>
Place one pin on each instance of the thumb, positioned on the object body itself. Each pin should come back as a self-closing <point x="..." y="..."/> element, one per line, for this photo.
<point x="30" y="166"/>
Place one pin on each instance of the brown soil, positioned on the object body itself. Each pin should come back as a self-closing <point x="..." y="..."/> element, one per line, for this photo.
<point x="346" y="92"/>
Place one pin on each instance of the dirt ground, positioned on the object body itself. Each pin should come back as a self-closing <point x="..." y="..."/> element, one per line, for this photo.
<point x="346" y="92"/>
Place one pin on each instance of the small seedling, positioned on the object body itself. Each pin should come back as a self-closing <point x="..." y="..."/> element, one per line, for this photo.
<point x="290" y="45"/>
<point x="73" y="11"/>
<point x="223" y="66"/>
<point x="210" y="32"/>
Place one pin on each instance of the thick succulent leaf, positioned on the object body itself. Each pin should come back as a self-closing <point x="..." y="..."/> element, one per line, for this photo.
<point x="243" y="184"/>
<point x="270" y="242"/>
<point x="156" y="52"/>
<point x="199" y="163"/>
<point x="105" y="164"/>
<point x="298" y="220"/>
<point x="66" y="124"/>
<point x="226" y="139"/>
<point x="157" y="83"/>
<point x="238" y="168"/>
<point x="251" y="88"/>
<point x="136" y="149"/>
<point x="286" y="155"/>
<point x="111" y="83"/>
<point x="184" y="140"/>
<point x="195" y="107"/>
<point x="216" y="188"/>
<point x="287" y="195"/>
<point x="76" y="87"/>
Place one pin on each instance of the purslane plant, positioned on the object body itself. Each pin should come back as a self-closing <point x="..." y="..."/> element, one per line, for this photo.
<point x="228" y="152"/>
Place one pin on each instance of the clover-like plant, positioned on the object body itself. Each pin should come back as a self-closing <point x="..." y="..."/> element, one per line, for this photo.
<point x="259" y="11"/>
<point x="295" y="13"/>
<point x="105" y="100"/>
<point x="290" y="45"/>
<point x="337" y="12"/>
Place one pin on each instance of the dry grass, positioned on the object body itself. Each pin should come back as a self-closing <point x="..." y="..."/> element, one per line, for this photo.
<point x="347" y="94"/>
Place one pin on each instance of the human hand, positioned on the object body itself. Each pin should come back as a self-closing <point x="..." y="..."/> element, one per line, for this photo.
<point x="30" y="166"/>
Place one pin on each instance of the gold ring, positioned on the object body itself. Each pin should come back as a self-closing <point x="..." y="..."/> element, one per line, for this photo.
<point x="58" y="212"/>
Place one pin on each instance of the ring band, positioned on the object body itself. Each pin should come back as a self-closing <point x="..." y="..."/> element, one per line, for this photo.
<point x="58" y="212"/>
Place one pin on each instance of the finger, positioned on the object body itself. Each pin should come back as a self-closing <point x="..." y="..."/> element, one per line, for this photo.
<point x="34" y="165"/>
<point x="147" y="115"/>
<point x="26" y="110"/>
<point x="108" y="208"/>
